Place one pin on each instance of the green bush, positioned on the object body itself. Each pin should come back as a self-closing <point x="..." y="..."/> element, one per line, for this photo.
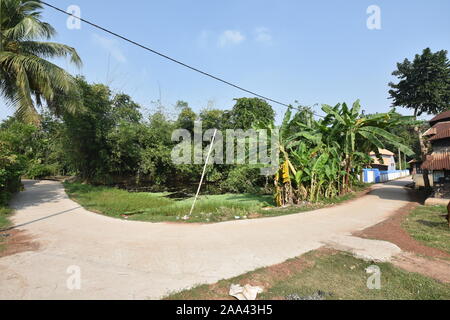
<point x="39" y="171"/>
<point x="9" y="183"/>
<point x="11" y="168"/>
<point x="244" y="179"/>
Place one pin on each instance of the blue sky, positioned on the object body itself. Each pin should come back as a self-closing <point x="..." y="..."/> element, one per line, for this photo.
<point x="311" y="51"/>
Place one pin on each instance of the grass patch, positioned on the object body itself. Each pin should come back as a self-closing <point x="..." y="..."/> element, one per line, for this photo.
<point x="427" y="225"/>
<point x="159" y="207"/>
<point x="4" y="223"/>
<point x="324" y="202"/>
<point x="156" y="207"/>
<point x="339" y="275"/>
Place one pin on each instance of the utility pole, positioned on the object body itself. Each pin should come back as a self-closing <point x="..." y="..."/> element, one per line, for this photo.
<point x="203" y="176"/>
<point x="404" y="156"/>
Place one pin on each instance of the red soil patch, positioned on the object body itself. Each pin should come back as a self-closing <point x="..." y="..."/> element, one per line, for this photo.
<point x="416" y="257"/>
<point x="391" y="230"/>
<point x="17" y="241"/>
<point x="434" y="268"/>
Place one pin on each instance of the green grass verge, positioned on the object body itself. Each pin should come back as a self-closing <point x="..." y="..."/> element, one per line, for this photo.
<point x="427" y="225"/>
<point x="159" y="207"/>
<point x="339" y="275"/>
<point x="4" y="223"/>
<point x="156" y="207"/>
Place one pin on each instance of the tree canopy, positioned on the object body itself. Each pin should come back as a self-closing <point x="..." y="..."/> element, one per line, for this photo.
<point x="247" y="111"/>
<point x="424" y="84"/>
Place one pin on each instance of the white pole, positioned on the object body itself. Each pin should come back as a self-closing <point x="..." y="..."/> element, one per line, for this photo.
<point x="203" y="176"/>
<point x="404" y="155"/>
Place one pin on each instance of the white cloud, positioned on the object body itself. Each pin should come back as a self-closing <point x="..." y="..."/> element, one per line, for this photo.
<point x="263" y="35"/>
<point x="230" y="37"/>
<point x="110" y="45"/>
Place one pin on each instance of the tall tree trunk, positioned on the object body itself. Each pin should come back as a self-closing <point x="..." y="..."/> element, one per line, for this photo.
<point x="448" y="214"/>
<point x="347" y="175"/>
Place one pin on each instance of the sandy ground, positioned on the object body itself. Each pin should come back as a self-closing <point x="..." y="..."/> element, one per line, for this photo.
<point x="136" y="260"/>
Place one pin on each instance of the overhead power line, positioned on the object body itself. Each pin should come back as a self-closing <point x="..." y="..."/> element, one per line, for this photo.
<point x="168" y="58"/>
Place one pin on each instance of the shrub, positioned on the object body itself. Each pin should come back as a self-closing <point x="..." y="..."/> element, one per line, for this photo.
<point x="39" y="171"/>
<point x="244" y="179"/>
<point x="11" y="168"/>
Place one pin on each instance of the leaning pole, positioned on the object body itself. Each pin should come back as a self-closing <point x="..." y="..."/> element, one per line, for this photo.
<point x="203" y="176"/>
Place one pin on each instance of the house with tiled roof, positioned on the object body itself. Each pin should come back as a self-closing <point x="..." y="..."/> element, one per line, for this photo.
<point x="386" y="162"/>
<point x="382" y="168"/>
<point x="442" y="117"/>
<point x="438" y="162"/>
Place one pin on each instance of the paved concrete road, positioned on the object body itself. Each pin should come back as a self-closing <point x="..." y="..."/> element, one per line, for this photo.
<point x="137" y="260"/>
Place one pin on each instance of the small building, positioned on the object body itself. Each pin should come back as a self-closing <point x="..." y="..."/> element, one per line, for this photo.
<point x="415" y="166"/>
<point x="384" y="169"/>
<point x="388" y="160"/>
<point x="438" y="162"/>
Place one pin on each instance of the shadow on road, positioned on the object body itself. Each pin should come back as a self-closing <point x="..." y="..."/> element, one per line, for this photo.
<point x="400" y="183"/>
<point x="40" y="219"/>
<point x="393" y="193"/>
<point x="47" y="193"/>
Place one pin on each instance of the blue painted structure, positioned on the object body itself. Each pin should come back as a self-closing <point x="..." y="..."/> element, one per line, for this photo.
<point x="377" y="176"/>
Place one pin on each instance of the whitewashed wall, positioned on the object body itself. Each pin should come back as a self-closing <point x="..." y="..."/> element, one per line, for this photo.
<point x="376" y="176"/>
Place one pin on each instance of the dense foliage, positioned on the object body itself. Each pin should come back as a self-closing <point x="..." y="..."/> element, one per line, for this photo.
<point x="110" y="142"/>
<point x="12" y="160"/>
<point x="324" y="158"/>
<point x="424" y="83"/>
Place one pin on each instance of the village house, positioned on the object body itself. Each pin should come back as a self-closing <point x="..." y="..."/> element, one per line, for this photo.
<point x="388" y="160"/>
<point x="438" y="162"/>
<point x="382" y="168"/>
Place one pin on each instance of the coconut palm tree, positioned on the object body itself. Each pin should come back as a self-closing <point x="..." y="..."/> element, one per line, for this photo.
<point x="27" y="77"/>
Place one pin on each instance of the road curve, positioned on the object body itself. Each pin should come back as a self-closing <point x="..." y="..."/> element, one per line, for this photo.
<point x="138" y="260"/>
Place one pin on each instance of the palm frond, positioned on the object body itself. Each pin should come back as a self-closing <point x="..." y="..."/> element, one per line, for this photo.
<point x="26" y="76"/>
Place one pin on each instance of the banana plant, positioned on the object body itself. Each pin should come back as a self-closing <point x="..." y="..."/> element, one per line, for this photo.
<point x="324" y="158"/>
<point x="357" y="134"/>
